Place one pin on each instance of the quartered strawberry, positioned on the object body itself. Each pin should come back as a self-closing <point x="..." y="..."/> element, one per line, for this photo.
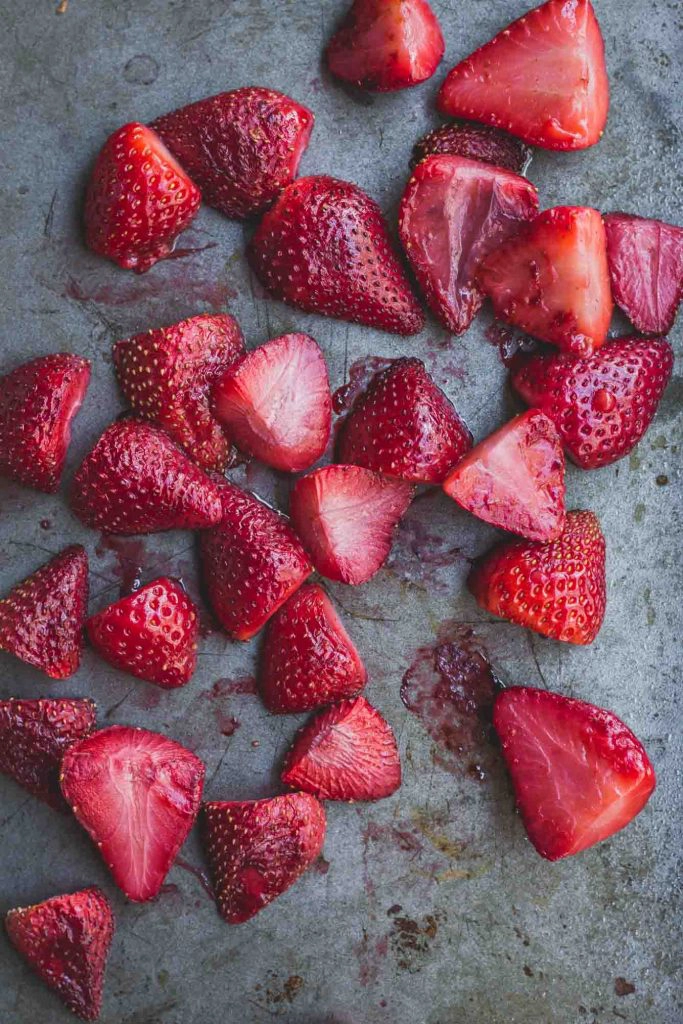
<point x="257" y="849"/>
<point x="345" y="752"/>
<point x="137" y="794"/>
<point x="66" y="941"/>
<point x="386" y="45"/>
<point x="603" y="403"/>
<point x="167" y="374"/>
<point x="579" y="773"/>
<point x="453" y="213"/>
<point x="252" y="561"/>
<point x="241" y="147"/>
<point x="308" y="657"/>
<point x="646" y="267"/>
<point x="137" y="480"/>
<point x="475" y="142"/>
<point x="346" y="516"/>
<point x="139" y="199"/>
<point x="514" y="479"/>
<point x="403" y="425"/>
<point x="542" y="78"/>
<point x="41" y="619"/>
<point x="551" y="279"/>
<point x="275" y="402"/>
<point x="324" y="248"/>
<point x="556" y="589"/>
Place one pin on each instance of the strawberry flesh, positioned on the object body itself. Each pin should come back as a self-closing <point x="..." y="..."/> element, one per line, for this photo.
<point x="475" y="142"/>
<point x="646" y="267"/>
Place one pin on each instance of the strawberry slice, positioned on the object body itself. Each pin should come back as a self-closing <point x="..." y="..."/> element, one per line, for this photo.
<point x="515" y="478"/>
<point x="66" y="941"/>
<point x="346" y="752"/>
<point x="275" y="402"/>
<point x="552" y="280"/>
<point x="346" y="516"/>
<point x="475" y="142"/>
<point x="579" y="773"/>
<point x="308" y="657"/>
<point x="257" y="849"/>
<point x="542" y="78"/>
<point x="137" y="794"/>
<point x="453" y="213"/>
<point x="646" y="267"/>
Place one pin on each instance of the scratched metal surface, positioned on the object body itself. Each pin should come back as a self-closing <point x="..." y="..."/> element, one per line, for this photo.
<point x="487" y="932"/>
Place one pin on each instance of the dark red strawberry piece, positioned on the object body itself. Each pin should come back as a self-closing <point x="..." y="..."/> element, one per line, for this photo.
<point x="646" y="267"/>
<point x="579" y="773"/>
<point x="475" y="142"/>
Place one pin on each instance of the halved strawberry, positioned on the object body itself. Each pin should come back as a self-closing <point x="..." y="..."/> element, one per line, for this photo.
<point x="542" y="78"/>
<point x="137" y="794"/>
<point x="646" y="267"/>
<point x="579" y="773"/>
<point x="552" y="280"/>
<point x="275" y="402"/>
<point x="475" y="142"/>
<point x="346" y="516"/>
<point x="345" y="752"/>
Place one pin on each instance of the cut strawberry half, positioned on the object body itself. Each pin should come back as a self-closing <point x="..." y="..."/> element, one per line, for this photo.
<point x="475" y="142"/>
<point x="646" y="267"/>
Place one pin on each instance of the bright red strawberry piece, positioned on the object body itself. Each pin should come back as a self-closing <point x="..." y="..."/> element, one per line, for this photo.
<point x="137" y="480"/>
<point x="646" y="267"/>
<point x="542" y="78"/>
<point x="345" y="752"/>
<point x="346" y="516"/>
<point x="257" y="849"/>
<point x="324" y="248"/>
<point x="579" y="773"/>
<point x="556" y="589"/>
<point x="404" y="426"/>
<point x="275" y="402"/>
<point x="601" y="404"/>
<point x="453" y="213"/>
<point x="167" y="374"/>
<point x="66" y="941"/>
<point x="475" y="142"/>
<point x="137" y="794"/>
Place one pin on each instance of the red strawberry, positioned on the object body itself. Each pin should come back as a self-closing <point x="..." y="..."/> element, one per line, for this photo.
<point x="404" y="426"/>
<point x="308" y="657"/>
<point x="251" y="562"/>
<point x="166" y="375"/>
<point x="579" y="773"/>
<point x="514" y="479"/>
<point x="41" y="619"/>
<point x="66" y="941"/>
<point x="475" y="142"/>
<point x="257" y="849"/>
<point x="346" y="517"/>
<point x="136" y="480"/>
<point x="346" y="752"/>
<point x="386" y="45"/>
<point x="139" y="199"/>
<point x="137" y="794"/>
<point x="38" y="402"/>
<point x="556" y="589"/>
<point x="551" y="279"/>
<point x="33" y="737"/>
<point x="601" y="404"/>
<point x="646" y="267"/>
<point x="324" y="248"/>
<point x="453" y="213"/>
<point x="275" y="402"/>
<point x="542" y="78"/>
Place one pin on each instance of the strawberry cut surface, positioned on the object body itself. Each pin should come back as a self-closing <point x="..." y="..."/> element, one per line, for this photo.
<point x="646" y="268"/>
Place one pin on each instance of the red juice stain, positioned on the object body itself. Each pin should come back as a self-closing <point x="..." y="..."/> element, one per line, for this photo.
<point x="129" y="555"/>
<point x="223" y="689"/>
<point x="360" y="374"/>
<point x="508" y="341"/>
<point x="194" y="282"/>
<point x="46" y="524"/>
<point x="200" y="875"/>
<point x="169" y="889"/>
<point x="321" y="866"/>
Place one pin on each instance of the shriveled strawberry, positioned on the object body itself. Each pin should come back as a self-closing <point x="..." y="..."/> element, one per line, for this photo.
<point x="137" y="794"/>
<point x="66" y="941"/>
<point x="257" y="849"/>
<point x="475" y="142"/>
<point x="453" y="213"/>
<point x="579" y="773"/>
<point x="139" y="199"/>
<point x="403" y="425"/>
<point x="275" y="402"/>
<point x="556" y="589"/>
<point x="542" y="78"/>
<point x="603" y="403"/>
<point x="167" y="374"/>
<point x="646" y="268"/>
<point x="324" y="248"/>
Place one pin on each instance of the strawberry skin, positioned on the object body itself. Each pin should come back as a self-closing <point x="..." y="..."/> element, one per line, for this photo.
<point x="324" y="248"/>
<point x="578" y="772"/>
<point x="646" y="268"/>
<point x="475" y="142"/>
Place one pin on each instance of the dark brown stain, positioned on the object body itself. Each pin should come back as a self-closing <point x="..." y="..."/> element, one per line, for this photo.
<point x="622" y="987"/>
<point x="410" y="940"/>
<point x="276" y="993"/>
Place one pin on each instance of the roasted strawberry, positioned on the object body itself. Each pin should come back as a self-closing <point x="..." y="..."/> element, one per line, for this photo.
<point x="646" y="267"/>
<point x="475" y="142"/>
